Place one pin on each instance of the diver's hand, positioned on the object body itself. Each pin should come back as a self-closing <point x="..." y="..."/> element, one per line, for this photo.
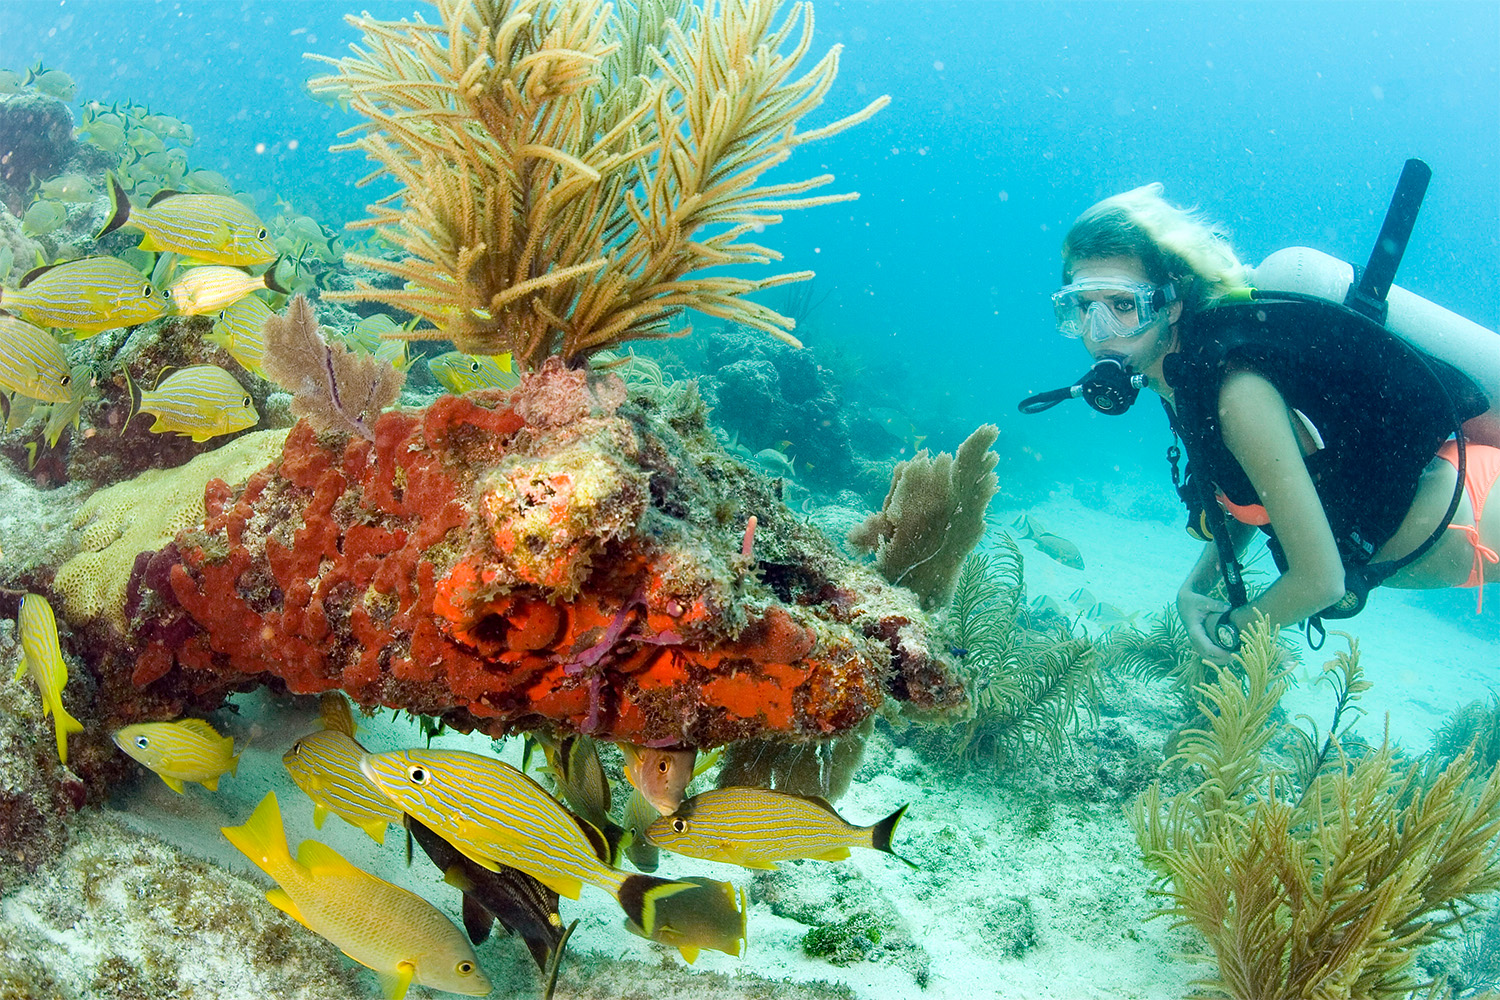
<point x="1198" y="614"/>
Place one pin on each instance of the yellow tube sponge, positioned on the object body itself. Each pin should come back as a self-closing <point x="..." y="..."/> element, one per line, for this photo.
<point x="141" y="515"/>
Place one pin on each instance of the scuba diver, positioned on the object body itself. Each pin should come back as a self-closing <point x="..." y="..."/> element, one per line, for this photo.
<point x="1354" y="423"/>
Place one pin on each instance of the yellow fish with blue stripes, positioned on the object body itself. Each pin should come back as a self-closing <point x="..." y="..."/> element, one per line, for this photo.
<point x="399" y="935"/>
<point x="240" y="330"/>
<point x="496" y="815"/>
<point x="185" y="750"/>
<point x="89" y="294"/>
<point x="461" y="373"/>
<point x="42" y="658"/>
<point x="757" y="827"/>
<point x="325" y="765"/>
<point x="211" y="228"/>
<point x="32" y="362"/>
<point x="209" y="288"/>
<point x="200" y="402"/>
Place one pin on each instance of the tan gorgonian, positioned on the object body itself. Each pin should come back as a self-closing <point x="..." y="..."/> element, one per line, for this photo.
<point x="565" y="166"/>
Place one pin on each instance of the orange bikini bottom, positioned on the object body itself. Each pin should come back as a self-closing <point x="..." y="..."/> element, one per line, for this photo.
<point x="1481" y="469"/>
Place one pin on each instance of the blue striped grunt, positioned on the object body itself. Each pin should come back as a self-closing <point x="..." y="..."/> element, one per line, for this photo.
<point x="209" y="288"/>
<point x="496" y="815"/>
<point x="32" y="362"/>
<point x="200" y="401"/>
<point x="461" y="373"/>
<point x="325" y="765"/>
<point x="399" y="935"/>
<point x="711" y="914"/>
<point x="240" y="330"/>
<point x="89" y="294"/>
<point x="757" y="827"/>
<point x="185" y="750"/>
<point x="42" y="657"/>
<point x="211" y="228"/>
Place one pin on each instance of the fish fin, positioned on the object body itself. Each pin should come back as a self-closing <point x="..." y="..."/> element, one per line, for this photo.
<point x="832" y="854"/>
<point x="200" y="726"/>
<point x="320" y="815"/>
<point x="882" y="833"/>
<point x="261" y="838"/>
<point x="395" y="983"/>
<point x="64" y="724"/>
<point x="136" y="397"/>
<point x="333" y="709"/>
<point x="555" y="962"/>
<point x="689" y="953"/>
<point x="279" y="899"/>
<point x="20" y="669"/>
<point x="37" y="272"/>
<point x="477" y="920"/>
<point x="221" y="235"/>
<point x="563" y="885"/>
<point x="270" y="279"/>
<point x="174" y="783"/>
<point x="376" y="829"/>
<point x="318" y="858"/>
<point x="212" y="784"/>
<point x="454" y="876"/>
<point x="162" y="195"/>
<point x="639" y="894"/>
<point x="119" y="207"/>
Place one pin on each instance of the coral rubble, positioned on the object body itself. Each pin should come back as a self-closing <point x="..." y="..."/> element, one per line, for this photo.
<point x="558" y="556"/>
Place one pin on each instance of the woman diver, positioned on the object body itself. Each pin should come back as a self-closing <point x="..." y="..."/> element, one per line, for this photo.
<point x="1348" y="481"/>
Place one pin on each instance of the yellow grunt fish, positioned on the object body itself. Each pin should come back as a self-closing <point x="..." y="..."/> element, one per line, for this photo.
<point x="32" y="362"/>
<point x="573" y="763"/>
<point x="89" y="294"/>
<point x="240" y="330"/>
<point x="43" y="217"/>
<point x="756" y="827"/>
<point x="200" y="401"/>
<point x="662" y="776"/>
<point x="211" y="228"/>
<point x="461" y="373"/>
<point x="399" y="935"/>
<point x="70" y="189"/>
<point x="185" y="750"/>
<point x="325" y="765"/>
<point x="212" y="287"/>
<point x="639" y="815"/>
<point x="496" y="815"/>
<point x="42" y="657"/>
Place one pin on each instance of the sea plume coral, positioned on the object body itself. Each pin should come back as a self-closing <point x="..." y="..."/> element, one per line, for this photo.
<point x="559" y="161"/>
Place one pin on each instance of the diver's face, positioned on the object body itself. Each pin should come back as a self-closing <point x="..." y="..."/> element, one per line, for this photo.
<point x="1142" y="350"/>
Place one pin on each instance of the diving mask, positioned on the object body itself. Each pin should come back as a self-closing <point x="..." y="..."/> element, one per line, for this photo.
<point x="1102" y="308"/>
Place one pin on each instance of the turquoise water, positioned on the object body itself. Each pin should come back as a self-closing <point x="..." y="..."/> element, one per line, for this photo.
<point x="1287" y="123"/>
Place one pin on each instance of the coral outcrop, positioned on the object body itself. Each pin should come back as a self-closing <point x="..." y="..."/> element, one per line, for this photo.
<point x="557" y="557"/>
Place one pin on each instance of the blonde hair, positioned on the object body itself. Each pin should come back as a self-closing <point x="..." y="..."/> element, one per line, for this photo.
<point x="1173" y="244"/>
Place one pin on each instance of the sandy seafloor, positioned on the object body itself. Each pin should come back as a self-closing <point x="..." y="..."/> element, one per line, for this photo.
<point x="1079" y="882"/>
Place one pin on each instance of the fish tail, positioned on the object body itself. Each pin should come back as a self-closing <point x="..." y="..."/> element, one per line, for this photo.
<point x="119" y="206"/>
<point x="270" y="278"/>
<point x="638" y="896"/>
<point x="135" y="398"/>
<point x="262" y="839"/>
<point x="64" y="724"/>
<point x="882" y="833"/>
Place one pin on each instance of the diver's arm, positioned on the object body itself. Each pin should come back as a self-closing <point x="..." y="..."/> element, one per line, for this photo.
<point x="1257" y="429"/>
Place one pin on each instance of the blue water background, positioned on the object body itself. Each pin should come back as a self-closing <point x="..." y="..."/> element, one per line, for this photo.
<point x="1287" y="122"/>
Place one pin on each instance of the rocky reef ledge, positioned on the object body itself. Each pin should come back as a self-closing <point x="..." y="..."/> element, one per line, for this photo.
<point x="568" y="555"/>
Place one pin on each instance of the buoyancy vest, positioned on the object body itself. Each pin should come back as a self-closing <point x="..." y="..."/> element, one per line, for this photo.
<point x="1381" y="407"/>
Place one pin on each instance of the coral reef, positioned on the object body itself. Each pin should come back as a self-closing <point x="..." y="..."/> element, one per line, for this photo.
<point x="823" y="767"/>
<point x="1323" y="888"/>
<point x="932" y="518"/>
<point x="556" y="556"/>
<point x="559" y="160"/>
<point x="39" y="141"/>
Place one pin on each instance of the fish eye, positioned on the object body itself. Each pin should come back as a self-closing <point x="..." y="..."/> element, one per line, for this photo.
<point x="66" y="379"/>
<point x="261" y="234"/>
<point x="662" y="766"/>
<point x="146" y="291"/>
<point x="417" y="774"/>
<point x="465" y="968"/>
<point x="142" y="742"/>
<point x="245" y="401"/>
<point x="679" y="825"/>
<point x="473" y="366"/>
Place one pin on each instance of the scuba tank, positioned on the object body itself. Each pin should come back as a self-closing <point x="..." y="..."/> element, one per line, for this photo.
<point x="1423" y="324"/>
